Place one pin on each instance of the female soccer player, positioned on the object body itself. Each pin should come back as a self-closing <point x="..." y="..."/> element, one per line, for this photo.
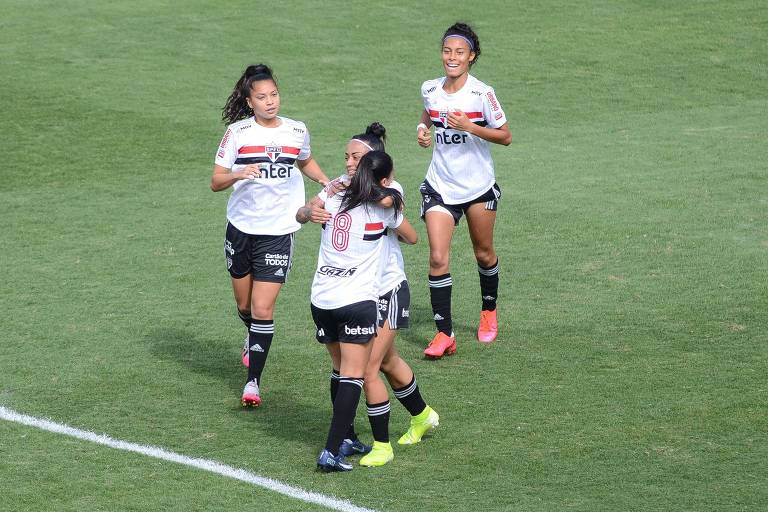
<point x="460" y="180"/>
<point x="394" y="312"/>
<point x="256" y="158"/>
<point x="345" y="288"/>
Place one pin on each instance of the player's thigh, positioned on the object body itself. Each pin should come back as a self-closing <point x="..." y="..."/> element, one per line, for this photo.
<point x="242" y="290"/>
<point x="481" y="224"/>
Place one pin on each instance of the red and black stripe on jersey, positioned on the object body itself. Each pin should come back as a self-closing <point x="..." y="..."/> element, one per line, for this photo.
<point x="437" y="118"/>
<point x="374" y="231"/>
<point x="267" y="154"/>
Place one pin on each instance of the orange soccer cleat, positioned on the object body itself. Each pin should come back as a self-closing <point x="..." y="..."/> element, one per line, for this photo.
<point x="441" y="345"/>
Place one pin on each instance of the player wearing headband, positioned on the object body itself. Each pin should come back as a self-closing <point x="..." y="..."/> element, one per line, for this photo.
<point x="466" y="116"/>
<point x="345" y="287"/>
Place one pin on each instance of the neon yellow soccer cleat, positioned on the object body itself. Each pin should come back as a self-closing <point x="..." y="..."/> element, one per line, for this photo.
<point x="379" y="455"/>
<point x="422" y="423"/>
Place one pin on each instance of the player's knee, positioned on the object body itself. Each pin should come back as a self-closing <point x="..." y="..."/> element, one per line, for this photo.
<point x="388" y="364"/>
<point x="438" y="261"/>
<point x="371" y="374"/>
<point x="485" y="256"/>
<point x="259" y="312"/>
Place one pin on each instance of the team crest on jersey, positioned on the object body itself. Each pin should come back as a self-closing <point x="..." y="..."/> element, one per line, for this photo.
<point x="443" y="115"/>
<point x="273" y="152"/>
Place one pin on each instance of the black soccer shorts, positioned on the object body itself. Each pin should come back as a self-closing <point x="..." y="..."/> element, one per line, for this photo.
<point x="355" y="323"/>
<point x="431" y="198"/>
<point x="395" y="306"/>
<point x="264" y="257"/>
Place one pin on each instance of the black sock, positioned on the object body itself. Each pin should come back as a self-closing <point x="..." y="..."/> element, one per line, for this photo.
<point x="489" y="285"/>
<point x="246" y="318"/>
<point x="440" y="296"/>
<point x="335" y="376"/>
<point x="344" y="408"/>
<point x="378" y="416"/>
<point x="410" y="397"/>
<point x="259" y="341"/>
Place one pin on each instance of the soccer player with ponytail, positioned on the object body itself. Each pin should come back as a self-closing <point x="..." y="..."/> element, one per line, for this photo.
<point x="394" y="313"/>
<point x="257" y="158"/>
<point x="345" y="288"/>
<point x="466" y="116"/>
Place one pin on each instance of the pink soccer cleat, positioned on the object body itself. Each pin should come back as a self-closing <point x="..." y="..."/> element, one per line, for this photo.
<point x="251" y="397"/>
<point x="488" y="328"/>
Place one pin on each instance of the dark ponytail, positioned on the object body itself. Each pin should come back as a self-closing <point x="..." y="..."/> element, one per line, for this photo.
<point x="237" y="107"/>
<point x="463" y="30"/>
<point x="366" y="183"/>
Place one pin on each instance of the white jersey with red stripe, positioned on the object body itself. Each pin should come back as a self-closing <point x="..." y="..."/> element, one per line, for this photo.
<point x="350" y="257"/>
<point x="266" y="205"/>
<point x="461" y="168"/>
<point x="393" y="269"/>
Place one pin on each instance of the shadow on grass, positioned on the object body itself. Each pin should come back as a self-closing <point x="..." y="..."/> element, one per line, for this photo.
<point x="286" y="413"/>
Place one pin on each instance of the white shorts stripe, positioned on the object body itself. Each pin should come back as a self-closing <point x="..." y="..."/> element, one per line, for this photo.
<point x="290" y="256"/>
<point x="394" y="307"/>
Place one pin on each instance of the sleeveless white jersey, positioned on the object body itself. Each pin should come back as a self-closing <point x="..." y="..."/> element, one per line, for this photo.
<point x="266" y="205"/>
<point x="393" y="268"/>
<point x="349" y="260"/>
<point x="461" y="168"/>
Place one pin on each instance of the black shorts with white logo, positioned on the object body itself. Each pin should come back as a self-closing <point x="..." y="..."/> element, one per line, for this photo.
<point x="355" y="323"/>
<point x="264" y="257"/>
<point x="430" y="198"/>
<point x="395" y="306"/>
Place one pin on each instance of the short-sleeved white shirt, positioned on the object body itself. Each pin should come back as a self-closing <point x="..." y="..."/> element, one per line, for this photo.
<point x="349" y="259"/>
<point x="266" y="205"/>
<point x="393" y="270"/>
<point x="461" y="168"/>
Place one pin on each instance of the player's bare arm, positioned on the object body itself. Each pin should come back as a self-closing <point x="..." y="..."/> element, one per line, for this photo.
<point x="406" y="233"/>
<point x="313" y="211"/>
<point x="223" y="178"/>
<point x="458" y="120"/>
<point x="311" y="170"/>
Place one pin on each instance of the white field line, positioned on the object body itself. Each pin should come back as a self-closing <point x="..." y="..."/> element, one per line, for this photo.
<point x="204" y="464"/>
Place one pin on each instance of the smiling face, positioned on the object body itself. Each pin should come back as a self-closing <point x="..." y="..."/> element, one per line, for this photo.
<point x="352" y="155"/>
<point x="457" y="56"/>
<point x="264" y="100"/>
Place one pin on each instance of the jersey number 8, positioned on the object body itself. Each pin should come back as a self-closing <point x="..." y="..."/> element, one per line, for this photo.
<point x="342" y="223"/>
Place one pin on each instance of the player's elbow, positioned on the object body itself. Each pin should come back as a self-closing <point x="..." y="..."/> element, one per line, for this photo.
<point x="507" y="139"/>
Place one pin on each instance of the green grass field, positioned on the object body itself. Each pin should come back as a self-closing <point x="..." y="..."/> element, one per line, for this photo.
<point x="630" y="372"/>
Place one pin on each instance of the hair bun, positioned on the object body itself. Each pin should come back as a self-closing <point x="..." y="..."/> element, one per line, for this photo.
<point x="257" y="69"/>
<point x="377" y="130"/>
